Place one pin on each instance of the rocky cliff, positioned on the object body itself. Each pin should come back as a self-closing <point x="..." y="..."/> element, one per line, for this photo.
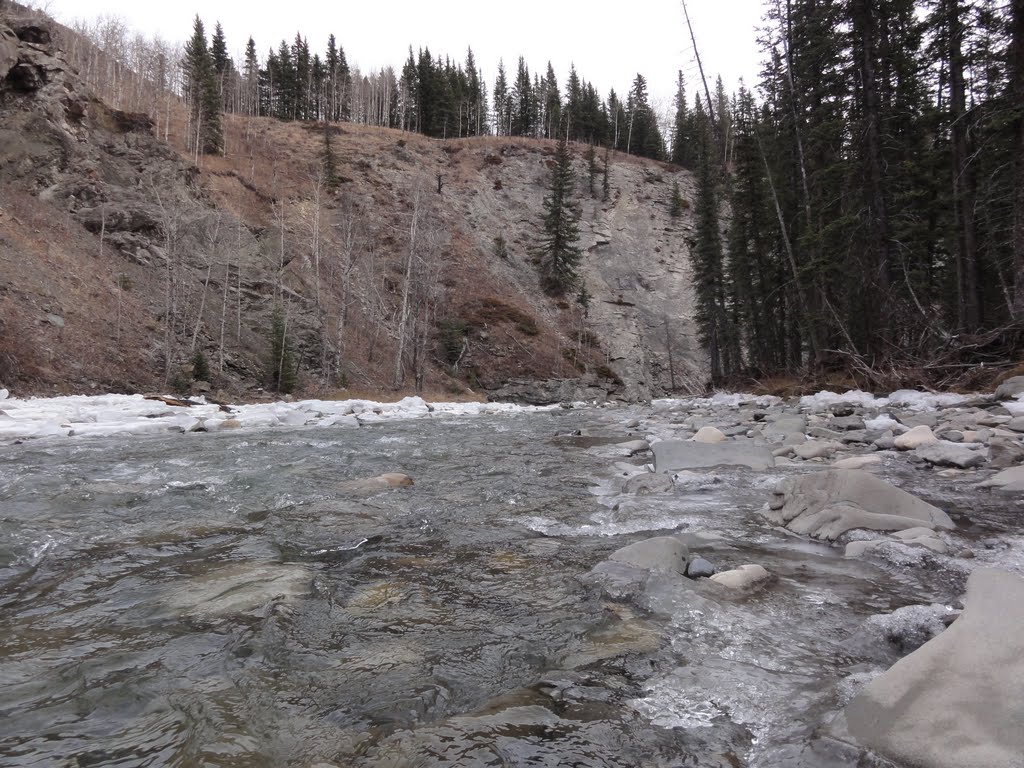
<point x="124" y="255"/>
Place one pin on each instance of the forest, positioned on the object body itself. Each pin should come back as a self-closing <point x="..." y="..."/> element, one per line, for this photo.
<point x="860" y="206"/>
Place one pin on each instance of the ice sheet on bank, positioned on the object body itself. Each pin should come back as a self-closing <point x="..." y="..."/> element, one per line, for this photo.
<point x="106" y="415"/>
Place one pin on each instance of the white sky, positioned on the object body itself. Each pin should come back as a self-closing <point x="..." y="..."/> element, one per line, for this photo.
<point x="608" y="43"/>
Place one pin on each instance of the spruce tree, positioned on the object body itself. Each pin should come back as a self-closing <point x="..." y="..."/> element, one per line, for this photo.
<point x="499" y="97"/>
<point x="202" y="93"/>
<point x="252" y="79"/>
<point x="558" y="248"/>
<point x="708" y="261"/>
<point x="682" y="132"/>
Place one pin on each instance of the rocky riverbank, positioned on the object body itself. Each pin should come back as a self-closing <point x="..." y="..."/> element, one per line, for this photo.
<point x="954" y="698"/>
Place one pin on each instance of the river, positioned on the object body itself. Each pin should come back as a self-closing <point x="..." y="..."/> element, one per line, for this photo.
<point x="220" y="600"/>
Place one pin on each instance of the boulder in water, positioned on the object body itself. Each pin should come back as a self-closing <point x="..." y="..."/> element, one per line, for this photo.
<point x="957" y="700"/>
<point x="743" y="577"/>
<point x="825" y="505"/>
<point x="699" y="568"/>
<point x="662" y="553"/>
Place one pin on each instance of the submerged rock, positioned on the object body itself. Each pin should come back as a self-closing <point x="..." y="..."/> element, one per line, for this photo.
<point x="956" y="701"/>
<point x="239" y="588"/>
<point x="378" y="483"/>
<point x="826" y="504"/>
<point x="647" y="483"/>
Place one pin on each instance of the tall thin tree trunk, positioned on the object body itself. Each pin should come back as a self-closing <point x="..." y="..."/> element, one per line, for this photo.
<point x="865" y="24"/>
<point x="969" y="309"/>
<point x="1017" y="102"/>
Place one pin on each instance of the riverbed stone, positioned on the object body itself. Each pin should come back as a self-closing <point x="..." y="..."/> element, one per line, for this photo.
<point x="1010" y="388"/>
<point x="956" y="701"/>
<point x="709" y="435"/>
<point x="824" y="505"/>
<point x="1005" y="452"/>
<point x="672" y="455"/>
<point x="915" y="438"/>
<point x="743" y="577"/>
<point x="945" y="454"/>
<point x="378" y="483"/>
<point x="817" y="449"/>
<point x="238" y="588"/>
<point x="663" y="553"/>
<point x="699" y="568"/>
<point x="632" y="447"/>
<point x="788" y="430"/>
<point x="1010" y="480"/>
<point x="647" y="483"/>
<point x="857" y="462"/>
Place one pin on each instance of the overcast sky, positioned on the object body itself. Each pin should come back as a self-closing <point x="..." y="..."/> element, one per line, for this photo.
<point x="608" y="43"/>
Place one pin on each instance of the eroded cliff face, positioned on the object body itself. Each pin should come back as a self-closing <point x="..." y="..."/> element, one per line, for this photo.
<point x="122" y="257"/>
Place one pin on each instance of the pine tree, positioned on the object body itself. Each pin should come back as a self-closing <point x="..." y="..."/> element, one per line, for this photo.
<point x="202" y="93"/>
<point x="676" y="204"/>
<point x="682" y="130"/>
<point x="522" y="102"/>
<point x="708" y="261"/>
<point x="552" y="116"/>
<point x="558" y="250"/>
<point x="222" y="67"/>
<point x="499" y="97"/>
<point x="643" y="135"/>
<point x="252" y="80"/>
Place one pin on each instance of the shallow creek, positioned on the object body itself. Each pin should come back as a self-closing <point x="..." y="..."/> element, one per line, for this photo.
<point x="216" y="600"/>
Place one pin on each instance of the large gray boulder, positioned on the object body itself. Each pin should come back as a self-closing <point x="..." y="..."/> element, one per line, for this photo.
<point x="957" y="701"/>
<point x="827" y="504"/>
<point x="673" y="455"/>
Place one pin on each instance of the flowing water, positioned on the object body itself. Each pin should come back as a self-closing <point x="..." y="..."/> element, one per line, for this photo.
<point x="220" y="600"/>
